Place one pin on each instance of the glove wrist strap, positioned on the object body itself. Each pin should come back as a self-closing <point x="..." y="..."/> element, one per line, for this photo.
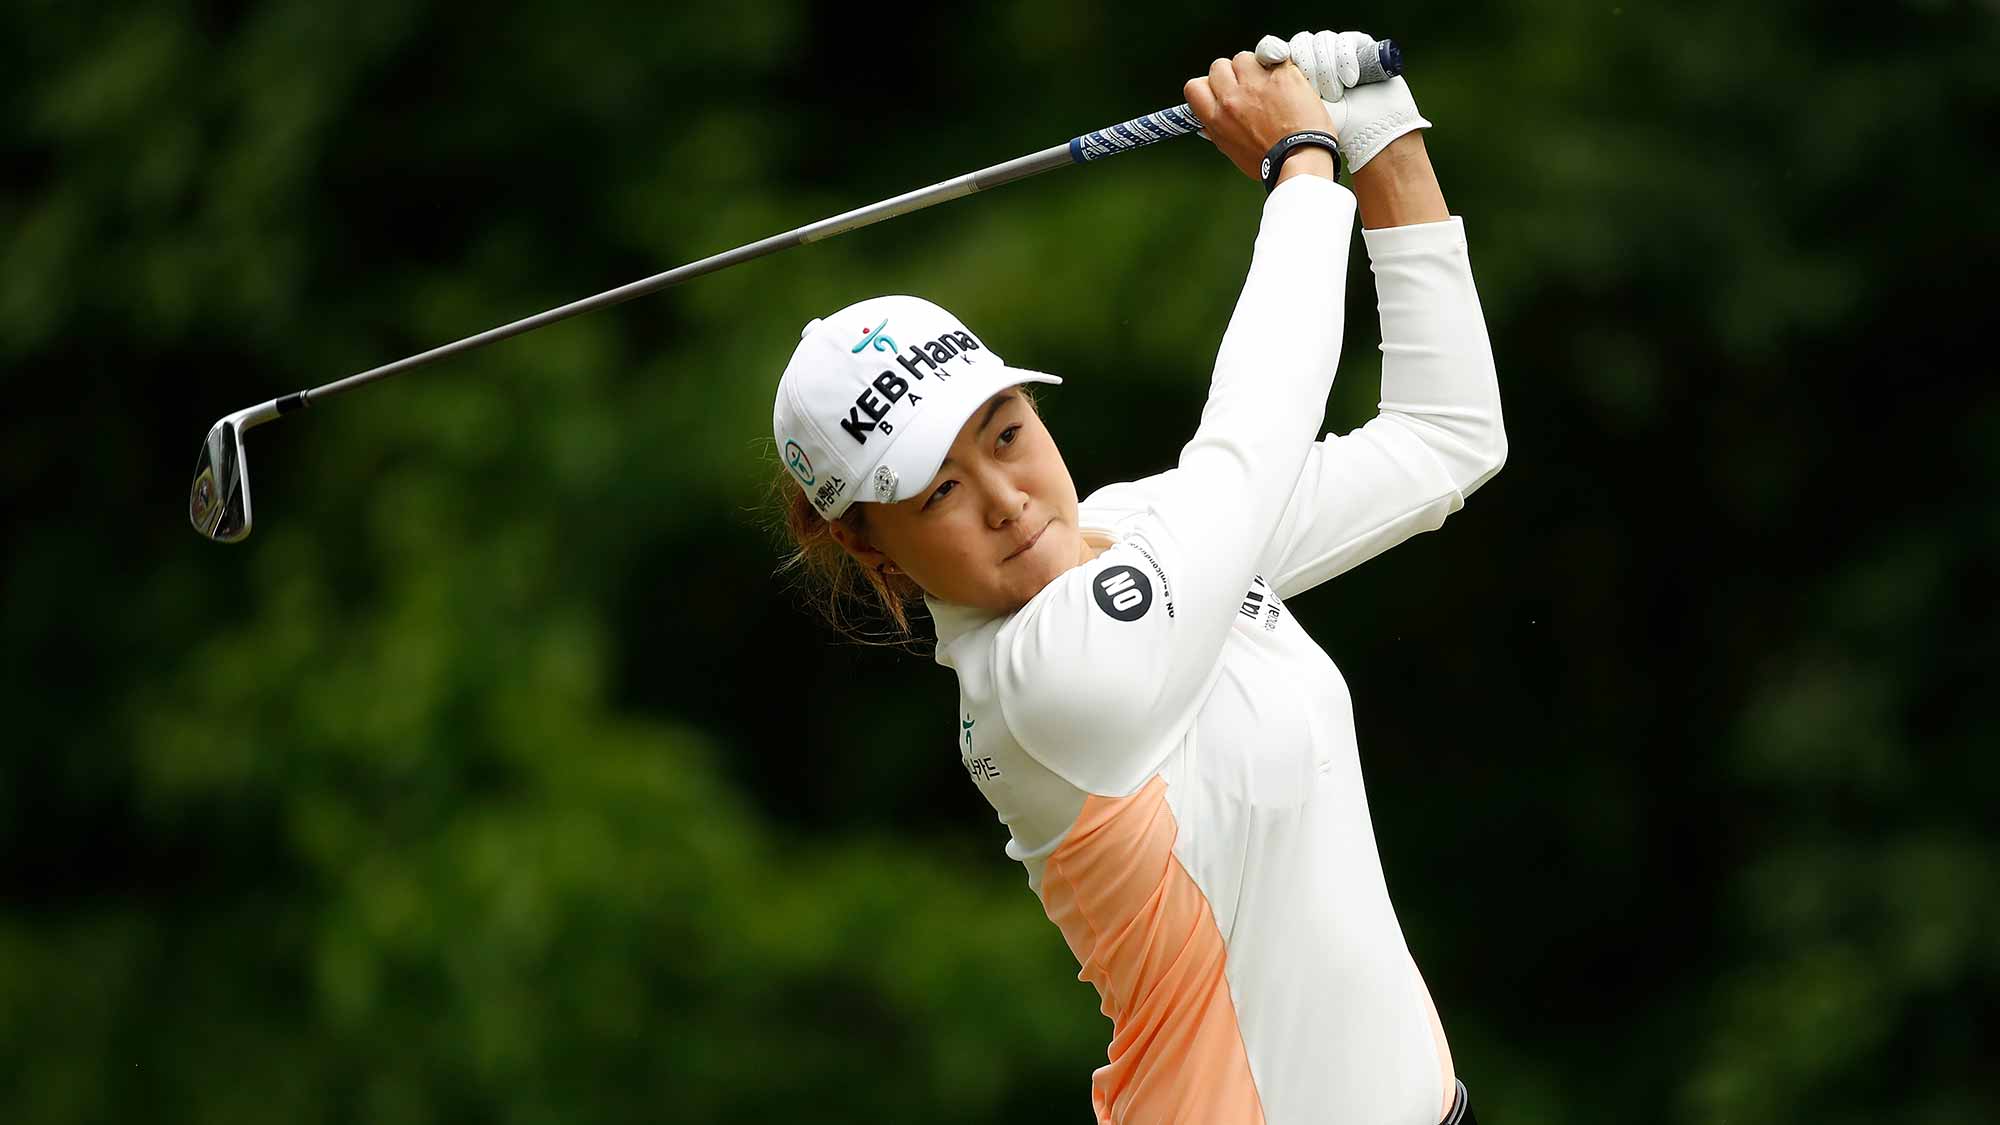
<point x="1274" y="160"/>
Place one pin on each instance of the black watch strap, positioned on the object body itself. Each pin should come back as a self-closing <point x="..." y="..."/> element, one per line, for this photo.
<point x="1275" y="159"/>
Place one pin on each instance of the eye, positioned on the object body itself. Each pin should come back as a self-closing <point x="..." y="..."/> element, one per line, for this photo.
<point x="940" y="493"/>
<point x="1007" y="435"/>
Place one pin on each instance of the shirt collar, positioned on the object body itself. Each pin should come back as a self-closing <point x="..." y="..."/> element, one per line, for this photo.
<point x="953" y="621"/>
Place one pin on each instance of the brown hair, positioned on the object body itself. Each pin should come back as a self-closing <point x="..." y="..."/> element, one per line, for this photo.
<point x="863" y="605"/>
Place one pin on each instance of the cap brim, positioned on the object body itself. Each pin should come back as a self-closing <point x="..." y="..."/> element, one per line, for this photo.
<point x="917" y="454"/>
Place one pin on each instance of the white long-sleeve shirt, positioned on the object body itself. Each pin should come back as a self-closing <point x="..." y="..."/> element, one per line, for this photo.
<point x="1175" y="758"/>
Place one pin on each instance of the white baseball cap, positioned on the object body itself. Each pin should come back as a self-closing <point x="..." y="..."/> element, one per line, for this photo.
<point x="875" y="395"/>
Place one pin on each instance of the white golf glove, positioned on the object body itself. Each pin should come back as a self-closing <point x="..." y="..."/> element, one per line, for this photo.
<point x="1365" y="118"/>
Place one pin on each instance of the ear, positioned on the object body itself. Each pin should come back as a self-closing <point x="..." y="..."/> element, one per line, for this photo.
<point x="856" y="545"/>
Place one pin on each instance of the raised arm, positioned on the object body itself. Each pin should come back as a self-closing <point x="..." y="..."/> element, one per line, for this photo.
<point x="1100" y="671"/>
<point x="1439" y="433"/>
<point x="1399" y="188"/>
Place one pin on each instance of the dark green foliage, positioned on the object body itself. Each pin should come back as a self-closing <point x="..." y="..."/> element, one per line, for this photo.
<point x="495" y="779"/>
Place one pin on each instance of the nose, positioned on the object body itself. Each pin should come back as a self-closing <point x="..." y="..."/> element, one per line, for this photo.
<point x="1006" y="501"/>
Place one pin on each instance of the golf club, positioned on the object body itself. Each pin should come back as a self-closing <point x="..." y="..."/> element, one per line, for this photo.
<point x="219" y="500"/>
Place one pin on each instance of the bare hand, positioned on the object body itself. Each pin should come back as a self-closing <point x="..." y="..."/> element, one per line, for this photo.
<point x="1246" y="109"/>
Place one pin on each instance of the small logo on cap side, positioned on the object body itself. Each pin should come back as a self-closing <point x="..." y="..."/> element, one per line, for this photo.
<point x="882" y="343"/>
<point x="829" y="492"/>
<point x="800" y="465"/>
<point x="885" y="483"/>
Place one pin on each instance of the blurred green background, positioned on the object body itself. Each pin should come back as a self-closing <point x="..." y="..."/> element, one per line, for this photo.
<point x="496" y="779"/>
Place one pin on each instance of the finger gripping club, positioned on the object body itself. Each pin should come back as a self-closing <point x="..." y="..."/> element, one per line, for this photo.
<point x="1380" y="61"/>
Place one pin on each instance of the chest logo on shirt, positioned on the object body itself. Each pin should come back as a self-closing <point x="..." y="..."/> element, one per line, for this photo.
<point x="981" y="768"/>
<point x="1123" y="592"/>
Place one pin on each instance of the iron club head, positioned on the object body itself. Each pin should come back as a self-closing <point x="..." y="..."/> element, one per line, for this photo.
<point x="219" y="500"/>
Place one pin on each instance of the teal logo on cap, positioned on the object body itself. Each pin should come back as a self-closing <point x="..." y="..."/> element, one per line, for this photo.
<point x="882" y="343"/>
<point x="798" y="463"/>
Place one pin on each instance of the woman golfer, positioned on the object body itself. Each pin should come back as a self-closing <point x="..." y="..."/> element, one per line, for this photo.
<point x="1173" y="756"/>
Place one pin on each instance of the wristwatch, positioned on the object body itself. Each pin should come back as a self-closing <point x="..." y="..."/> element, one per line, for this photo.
<point x="1274" y="160"/>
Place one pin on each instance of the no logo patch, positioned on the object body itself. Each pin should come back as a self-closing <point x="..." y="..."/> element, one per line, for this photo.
<point x="1123" y="592"/>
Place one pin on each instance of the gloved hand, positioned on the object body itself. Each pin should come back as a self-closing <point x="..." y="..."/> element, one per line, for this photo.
<point x="1365" y="118"/>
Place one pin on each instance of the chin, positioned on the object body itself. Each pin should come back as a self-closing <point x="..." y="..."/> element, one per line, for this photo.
<point x="1051" y="558"/>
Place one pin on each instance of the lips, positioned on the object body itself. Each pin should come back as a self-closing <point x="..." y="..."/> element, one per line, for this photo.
<point x="1023" y="548"/>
